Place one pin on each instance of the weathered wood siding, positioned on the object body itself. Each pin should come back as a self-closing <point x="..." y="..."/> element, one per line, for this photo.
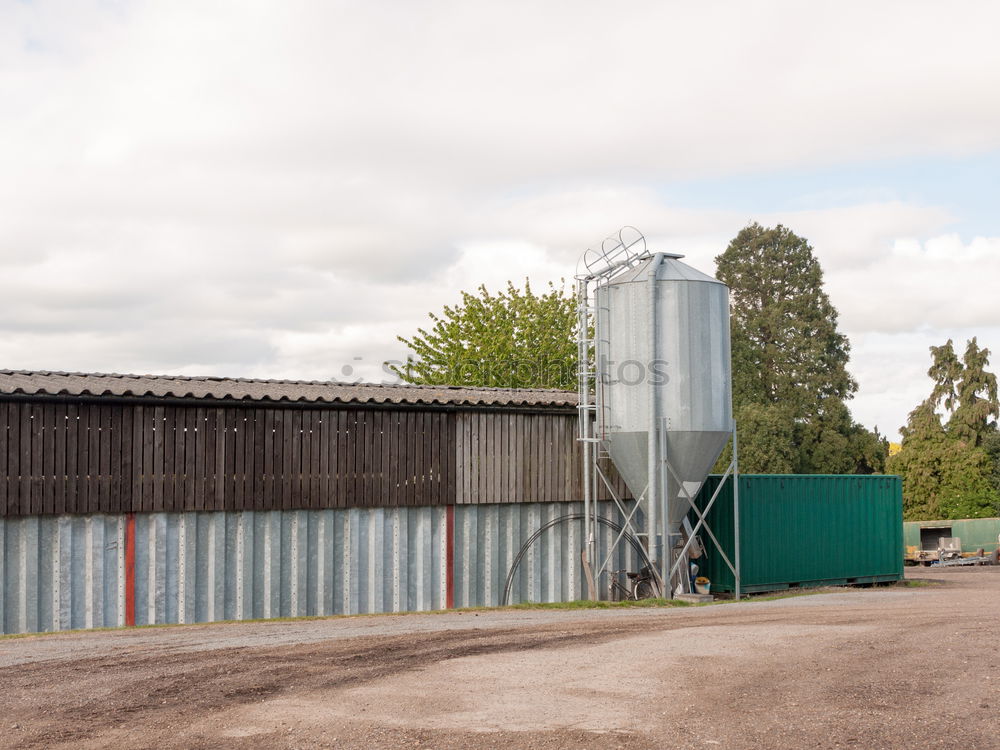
<point x="90" y="457"/>
<point x="521" y="458"/>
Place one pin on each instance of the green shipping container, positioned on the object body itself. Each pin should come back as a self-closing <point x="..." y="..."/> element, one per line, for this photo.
<point x="975" y="533"/>
<point x="805" y="530"/>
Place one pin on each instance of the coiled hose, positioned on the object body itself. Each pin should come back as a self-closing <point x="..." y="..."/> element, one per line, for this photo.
<point x="613" y="525"/>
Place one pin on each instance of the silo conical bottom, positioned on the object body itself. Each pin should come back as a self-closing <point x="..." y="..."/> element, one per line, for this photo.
<point x="691" y="456"/>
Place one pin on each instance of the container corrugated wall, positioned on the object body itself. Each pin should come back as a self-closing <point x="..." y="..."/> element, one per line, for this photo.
<point x="64" y="572"/>
<point x="807" y="530"/>
<point x="975" y="533"/>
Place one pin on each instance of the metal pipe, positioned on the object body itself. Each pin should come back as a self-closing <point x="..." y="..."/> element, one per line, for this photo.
<point x="583" y="414"/>
<point x="653" y="443"/>
<point x="736" y="510"/>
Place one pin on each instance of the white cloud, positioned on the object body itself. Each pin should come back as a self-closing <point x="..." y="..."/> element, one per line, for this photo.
<point x="276" y="189"/>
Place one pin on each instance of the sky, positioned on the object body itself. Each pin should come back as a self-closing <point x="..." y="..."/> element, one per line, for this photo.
<point x="280" y="189"/>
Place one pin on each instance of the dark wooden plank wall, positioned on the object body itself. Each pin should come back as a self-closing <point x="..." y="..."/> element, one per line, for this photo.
<point x="518" y="458"/>
<point x="88" y="457"/>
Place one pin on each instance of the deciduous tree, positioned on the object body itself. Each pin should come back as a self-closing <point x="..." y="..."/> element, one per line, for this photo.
<point x="513" y="339"/>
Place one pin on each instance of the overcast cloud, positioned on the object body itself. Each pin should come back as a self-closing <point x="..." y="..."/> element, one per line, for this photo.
<point x="279" y="189"/>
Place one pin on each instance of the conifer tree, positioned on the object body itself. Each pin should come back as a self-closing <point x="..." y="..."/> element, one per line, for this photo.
<point x="790" y="360"/>
<point x="951" y="469"/>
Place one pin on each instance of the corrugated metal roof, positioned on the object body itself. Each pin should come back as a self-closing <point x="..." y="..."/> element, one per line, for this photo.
<point x="245" y="389"/>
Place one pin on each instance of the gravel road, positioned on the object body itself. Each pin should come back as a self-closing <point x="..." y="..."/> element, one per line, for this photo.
<point x="878" y="668"/>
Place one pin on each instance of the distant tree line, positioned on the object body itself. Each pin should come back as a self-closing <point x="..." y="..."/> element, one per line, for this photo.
<point x="791" y="385"/>
<point x="950" y="455"/>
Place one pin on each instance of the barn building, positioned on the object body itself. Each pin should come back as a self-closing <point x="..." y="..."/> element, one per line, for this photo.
<point x="155" y="499"/>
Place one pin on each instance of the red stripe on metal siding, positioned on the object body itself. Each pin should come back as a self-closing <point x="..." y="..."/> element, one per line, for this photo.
<point x="130" y="569"/>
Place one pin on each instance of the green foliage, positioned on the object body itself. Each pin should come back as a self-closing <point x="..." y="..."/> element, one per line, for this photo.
<point x="952" y="469"/>
<point x="514" y="339"/>
<point x="790" y="378"/>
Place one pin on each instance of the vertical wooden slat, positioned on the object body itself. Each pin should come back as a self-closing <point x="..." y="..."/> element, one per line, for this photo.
<point x="324" y="458"/>
<point x="305" y="458"/>
<point x="159" y="443"/>
<point x="416" y="460"/>
<point x="132" y="442"/>
<point x="534" y="460"/>
<point x="229" y="456"/>
<point x="370" y="458"/>
<point x="36" y="423"/>
<point x="466" y="458"/>
<point x="496" y="451"/>
<point x="417" y="440"/>
<point x="123" y="462"/>
<point x="518" y="473"/>
<point x="356" y="457"/>
<point x="333" y="446"/>
<point x="59" y="460"/>
<point x="169" y="458"/>
<point x="346" y="454"/>
<point x="459" y="465"/>
<point x="115" y="445"/>
<point x="283" y="421"/>
<point x="451" y="420"/>
<point x="12" y="453"/>
<point x="397" y="462"/>
<point x="83" y="457"/>
<point x="278" y="458"/>
<point x="213" y="442"/>
<point x="360" y="454"/>
<point x="149" y="464"/>
<point x="270" y="491"/>
<point x="484" y="460"/>
<point x="239" y="443"/>
<point x="340" y="453"/>
<point x="315" y="473"/>
<point x="390" y="458"/>
<point x="190" y="456"/>
<point x="14" y="490"/>
<point x="405" y="456"/>
<point x="259" y="425"/>
<point x="387" y="459"/>
<point x="555" y="455"/>
<point x="47" y="431"/>
<point x="180" y="448"/>
<point x="294" y="418"/>
<point x="435" y="469"/>
<point x="4" y="459"/>
<point x="200" y="454"/>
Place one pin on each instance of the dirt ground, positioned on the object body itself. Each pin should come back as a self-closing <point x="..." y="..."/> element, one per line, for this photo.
<point x="907" y="668"/>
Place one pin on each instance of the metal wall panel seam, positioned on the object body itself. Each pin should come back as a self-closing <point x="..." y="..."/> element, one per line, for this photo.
<point x="58" y="571"/>
<point x="397" y="567"/>
<point x="4" y="529"/>
<point x="439" y="561"/>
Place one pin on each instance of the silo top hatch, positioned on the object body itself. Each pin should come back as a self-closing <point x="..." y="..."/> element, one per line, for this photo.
<point x="670" y="269"/>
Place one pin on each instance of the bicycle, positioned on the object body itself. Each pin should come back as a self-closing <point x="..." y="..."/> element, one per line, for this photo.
<point x="641" y="585"/>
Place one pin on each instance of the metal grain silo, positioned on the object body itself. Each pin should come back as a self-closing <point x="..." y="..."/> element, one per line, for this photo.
<point x="664" y="384"/>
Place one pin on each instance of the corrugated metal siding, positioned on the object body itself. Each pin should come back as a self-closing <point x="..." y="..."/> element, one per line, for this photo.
<point x="201" y="567"/>
<point x="63" y="572"/>
<point x="488" y="537"/>
<point x="807" y="530"/>
<point x="975" y="533"/>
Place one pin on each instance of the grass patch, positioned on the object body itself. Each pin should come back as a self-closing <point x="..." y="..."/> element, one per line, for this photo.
<point x="916" y="583"/>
